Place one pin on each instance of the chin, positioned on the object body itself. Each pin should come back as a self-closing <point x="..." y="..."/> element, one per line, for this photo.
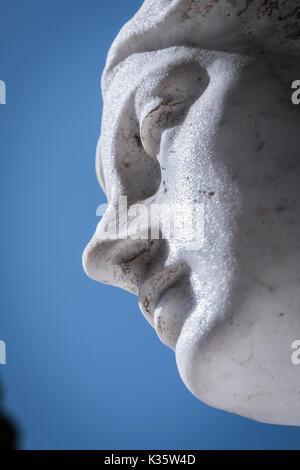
<point x="242" y="366"/>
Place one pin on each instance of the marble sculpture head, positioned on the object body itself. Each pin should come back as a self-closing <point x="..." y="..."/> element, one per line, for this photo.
<point x="198" y="111"/>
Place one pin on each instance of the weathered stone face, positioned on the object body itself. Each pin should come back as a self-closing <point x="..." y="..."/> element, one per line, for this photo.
<point x="198" y="111"/>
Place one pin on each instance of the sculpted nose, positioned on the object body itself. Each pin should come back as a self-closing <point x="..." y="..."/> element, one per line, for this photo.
<point x="116" y="256"/>
<point x="121" y="250"/>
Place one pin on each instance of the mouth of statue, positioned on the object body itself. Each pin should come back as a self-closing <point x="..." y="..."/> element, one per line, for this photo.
<point x="159" y="302"/>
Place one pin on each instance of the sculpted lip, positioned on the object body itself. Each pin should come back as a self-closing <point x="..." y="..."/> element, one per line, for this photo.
<point x="152" y="290"/>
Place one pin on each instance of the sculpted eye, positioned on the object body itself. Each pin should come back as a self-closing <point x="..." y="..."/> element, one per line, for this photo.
<point x="160" y="102"/>
<point x="169" y="103"/>
<point x="165" y="115"/>
<point x="138" y="173"/>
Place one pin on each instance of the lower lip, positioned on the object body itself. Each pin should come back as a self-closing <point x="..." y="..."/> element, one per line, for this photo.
<point x="169" y="316"/>
<point x="154" y="289"/>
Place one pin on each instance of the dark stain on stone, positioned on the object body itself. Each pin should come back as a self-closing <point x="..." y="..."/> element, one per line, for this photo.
<point x="262" y="212"/>
<point x="138" y="141"/>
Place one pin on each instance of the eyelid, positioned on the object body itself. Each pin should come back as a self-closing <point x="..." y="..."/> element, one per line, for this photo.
<point x="155" y="120"/>
<point x="168" y="100"/>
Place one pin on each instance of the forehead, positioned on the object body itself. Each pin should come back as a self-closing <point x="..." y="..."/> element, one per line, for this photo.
<point x="209" y="24"/>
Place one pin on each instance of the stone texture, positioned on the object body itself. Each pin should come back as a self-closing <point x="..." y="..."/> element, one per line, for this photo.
<point x="197" y="109"/>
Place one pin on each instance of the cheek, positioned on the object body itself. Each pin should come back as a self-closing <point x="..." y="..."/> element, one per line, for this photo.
<point x="185" y="165"/>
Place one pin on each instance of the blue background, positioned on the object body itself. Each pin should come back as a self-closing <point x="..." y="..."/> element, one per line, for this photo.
<point x="84" y="371"/>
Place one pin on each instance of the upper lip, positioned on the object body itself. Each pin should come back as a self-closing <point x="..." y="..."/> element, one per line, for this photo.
<point x="156" y="285"/>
